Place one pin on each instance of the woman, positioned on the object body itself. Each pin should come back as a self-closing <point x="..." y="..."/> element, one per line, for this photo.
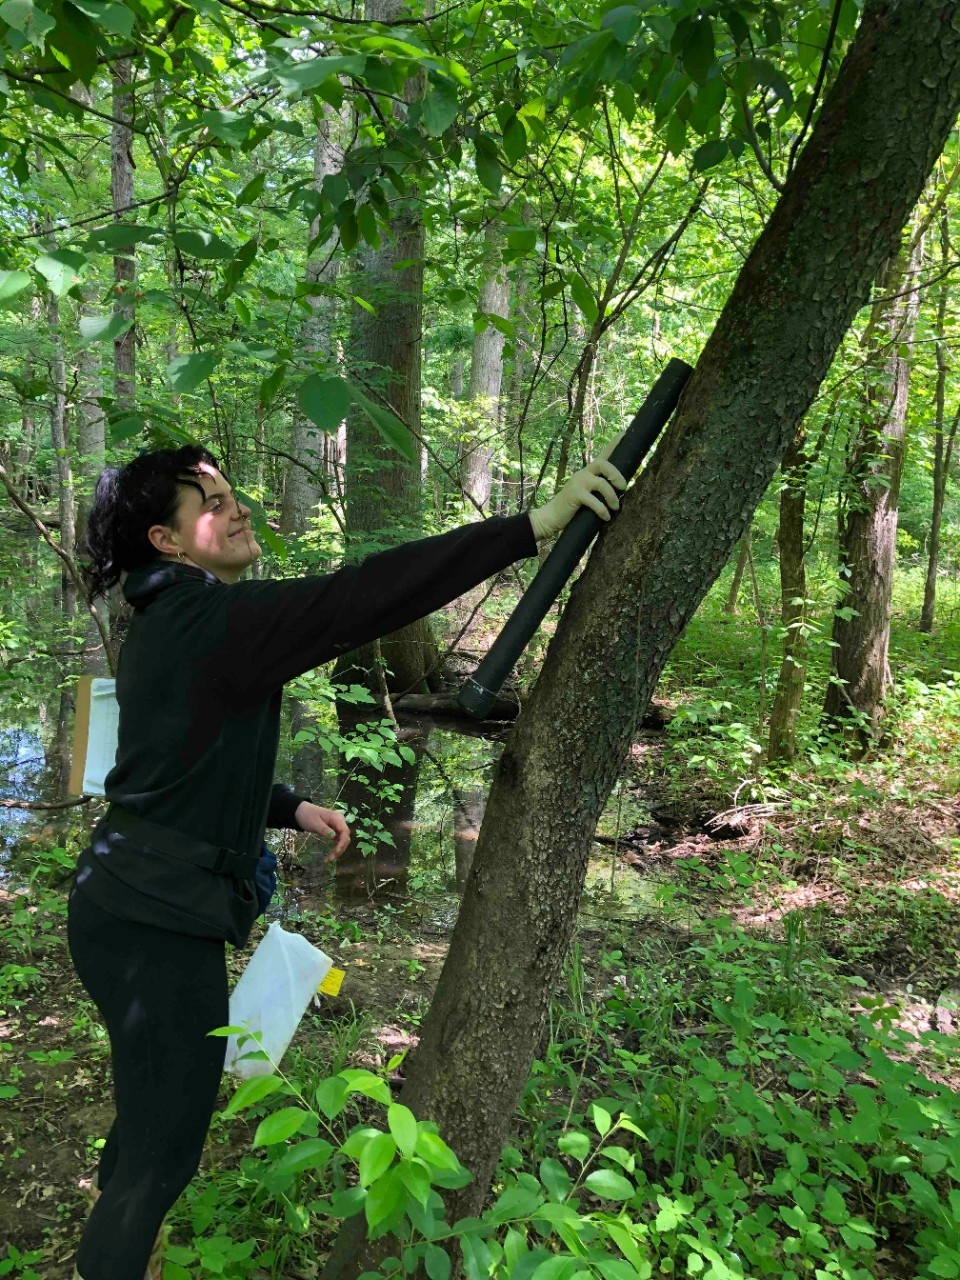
<point x="171" y="873"/>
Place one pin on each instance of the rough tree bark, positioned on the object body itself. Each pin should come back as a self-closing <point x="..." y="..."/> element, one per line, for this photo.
<point x="784" y="712"/>
<point x="868" y="517"/>
<point x="878" y="135"/>
<point x="384" y="490"/>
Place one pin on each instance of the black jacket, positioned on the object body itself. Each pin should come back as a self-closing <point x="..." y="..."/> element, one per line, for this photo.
<point x="199" y="686"/>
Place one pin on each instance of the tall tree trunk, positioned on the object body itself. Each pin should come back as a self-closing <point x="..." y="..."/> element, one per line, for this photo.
<point x="91" y="456"/>
<point x="839" y="217"/>
<point x="309" y="445"/>
<point x="739" y="569"/>
<point x="483" y="407"/>
<point x="793" y="601"/>
<point x="387" y="500"/>
<point x="301" y="490"/>
<point x="943" y="442"/>
<point x="124" y="263"/>
<point x="68" y="523"/>
<point x="857" y="694"/>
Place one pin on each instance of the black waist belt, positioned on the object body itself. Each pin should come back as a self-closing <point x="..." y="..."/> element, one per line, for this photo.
<point x="224" y="861"/>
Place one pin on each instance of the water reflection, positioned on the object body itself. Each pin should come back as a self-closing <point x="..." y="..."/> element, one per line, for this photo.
<point x="22" y="774"/>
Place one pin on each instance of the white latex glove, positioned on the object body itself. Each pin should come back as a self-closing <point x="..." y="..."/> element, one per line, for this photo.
<point x="598" y="477"/>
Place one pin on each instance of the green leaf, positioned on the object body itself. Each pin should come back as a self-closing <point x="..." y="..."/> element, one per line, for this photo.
<point x="252" y="1091"/>
<point x="609" y="1185"/>
<point x="439" y="107"/>
<point x="601" y="1118"/>
<point x="331" y="1096"/>
<point x="416" y="1179"/>
<point x="132" y="424"/>
<point x="202" y="244"/>
<point x="252" y="191"/>
<point x="676" y="134"/>
<point x="515" y="1202"/>
<point x="522" y="239"/>
<point x="514" y="140"/>
<point x="281" y="1125"/>
<point x="368" y="1084"/>
<point x="403" y="1125"/>
<point x="121" y="235"/>
<point x="312" y="1153"/>
<point x="28" y="18"/>
<point x="61" y="268"/>
<point x="11" y="284"/>
<point x="376" y="1158"/>
<point x="187" y="372"/>
<point x="575" y="1144"/>
<point x="432" y="1148"/>
<point x="383" y="1198"/>
<point x="488" y="165"/>
<point x="299" y="77"/>
<point x="624" y="100"/>
<point x="104" y="328"/>
<point x="390" y="427"/>
<point x="555" y="1178"/>
<point x="624" y="22"/>
<point x="834" y="1206"/>
<point x="230" y="126"/>
<point x="709" y="153"/>
<point x="325" y="400"/>
<point x="437" y="1262"/>
<point x="115" y="18"/>
<point x="698" y="49"/>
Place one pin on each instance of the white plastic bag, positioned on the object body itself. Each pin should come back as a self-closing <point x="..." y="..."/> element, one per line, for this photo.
<point x="272" y="995"/>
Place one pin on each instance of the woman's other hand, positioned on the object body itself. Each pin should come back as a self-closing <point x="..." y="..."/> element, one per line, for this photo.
<point x="324" y="822"/>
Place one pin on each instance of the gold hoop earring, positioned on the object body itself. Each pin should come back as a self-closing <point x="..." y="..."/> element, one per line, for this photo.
<point x="181" y="557"/>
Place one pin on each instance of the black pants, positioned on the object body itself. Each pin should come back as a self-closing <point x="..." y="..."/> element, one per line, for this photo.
<point x="159" y="993"/>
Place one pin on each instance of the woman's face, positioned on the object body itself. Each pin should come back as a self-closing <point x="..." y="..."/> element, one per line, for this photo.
<point x="213" y="531"/>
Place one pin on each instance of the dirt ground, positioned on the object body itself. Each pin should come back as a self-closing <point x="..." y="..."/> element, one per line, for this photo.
<point x="874" y="892"/>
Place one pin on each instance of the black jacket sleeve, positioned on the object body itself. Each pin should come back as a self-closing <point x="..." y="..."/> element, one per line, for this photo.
<point x="276" y="630"/>
<point x="284" y="803"/>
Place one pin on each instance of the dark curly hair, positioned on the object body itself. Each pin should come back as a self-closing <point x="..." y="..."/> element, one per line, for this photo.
<point x="129" y="501"/>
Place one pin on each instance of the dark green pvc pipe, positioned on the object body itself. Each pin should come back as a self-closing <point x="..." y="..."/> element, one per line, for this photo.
<point x="480" y="691"/>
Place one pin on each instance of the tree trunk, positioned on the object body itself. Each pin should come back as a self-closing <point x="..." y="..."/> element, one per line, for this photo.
<point x="124" y="263"/>
<point x="68" y="524"/>
<point x="483" y="408"/>
<point x="387" y="499"/>
<point x="301" y="490"/>
<point x="793" y="601"/>
<point x="943" y="443"/>
<point x="731" y="607"/>
<point x="856" y="696"/>
<point x="91" y="457"/>
<point x="877" y="137"/>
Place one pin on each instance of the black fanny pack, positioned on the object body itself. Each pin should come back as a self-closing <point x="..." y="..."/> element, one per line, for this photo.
<point x="218" y="858"/>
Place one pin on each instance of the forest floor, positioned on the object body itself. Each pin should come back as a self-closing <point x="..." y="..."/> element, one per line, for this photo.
<point x="871" y="888"/>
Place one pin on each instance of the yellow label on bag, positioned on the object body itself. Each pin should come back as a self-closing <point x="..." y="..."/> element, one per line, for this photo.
<point x="332" y="983"/>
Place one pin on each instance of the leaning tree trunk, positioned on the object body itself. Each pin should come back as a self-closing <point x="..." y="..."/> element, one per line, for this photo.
<point x="732" y="605"/>
<point x="386" y="497"/>
<point x="943" y="442"/>
<point x="857" y="694"/>
<point x="793" y="601"/>
<point x="840" y="216"/>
